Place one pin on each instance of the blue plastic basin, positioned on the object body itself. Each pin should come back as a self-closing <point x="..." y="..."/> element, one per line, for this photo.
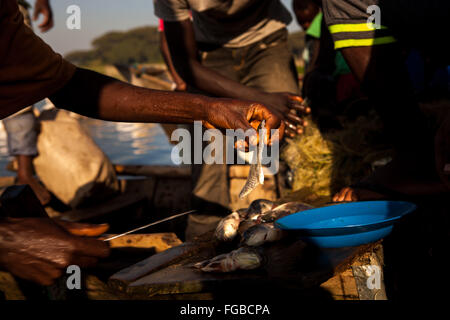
<point x="347" y="224"/>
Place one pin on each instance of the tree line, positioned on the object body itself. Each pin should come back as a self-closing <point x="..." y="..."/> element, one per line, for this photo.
<point x="139" y="45"/>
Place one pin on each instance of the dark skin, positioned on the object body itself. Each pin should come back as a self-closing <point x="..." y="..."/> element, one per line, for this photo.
<point x="164" y="47"/>
<point x="385" y="81"/>
<point x="305" y="12"/>
<point x="25" y="170"/>
<point x="42" y="7"/>
<point x="181" y="40"/>
<point x="113" y="100"/>
<point x="40" y="249"/>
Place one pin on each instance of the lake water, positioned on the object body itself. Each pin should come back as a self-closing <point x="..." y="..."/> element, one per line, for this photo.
<point x="123" y="143"/>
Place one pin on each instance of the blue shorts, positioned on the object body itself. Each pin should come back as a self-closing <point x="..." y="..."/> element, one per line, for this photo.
<point x="22" y="134"/>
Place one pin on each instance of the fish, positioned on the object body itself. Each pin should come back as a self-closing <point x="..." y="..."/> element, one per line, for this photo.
<point x="256" y="174"/>
<point x="227" y="228"/>
<point x="283" y="210"/>
<point x="240" y="259"/>
<point x="258" y="207"/>
<point x="261" y="233"/>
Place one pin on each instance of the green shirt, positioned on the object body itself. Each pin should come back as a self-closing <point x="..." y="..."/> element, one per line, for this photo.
<point x="314" y="28"/>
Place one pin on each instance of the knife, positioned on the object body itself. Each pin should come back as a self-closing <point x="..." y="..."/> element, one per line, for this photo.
<point x="150" y="224"/>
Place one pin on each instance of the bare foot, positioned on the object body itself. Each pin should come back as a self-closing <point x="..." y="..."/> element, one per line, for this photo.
<point x="39" y="190"/>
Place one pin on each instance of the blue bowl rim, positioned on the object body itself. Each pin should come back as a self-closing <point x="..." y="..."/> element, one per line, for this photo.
<point x="351" y="228"/>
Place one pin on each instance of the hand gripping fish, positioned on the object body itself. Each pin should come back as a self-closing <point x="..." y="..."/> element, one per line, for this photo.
<point x="256" y="174"/>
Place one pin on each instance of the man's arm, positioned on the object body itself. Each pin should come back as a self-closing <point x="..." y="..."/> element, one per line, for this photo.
<point x="98" y="96"/>
<point x="43" y="7"/>
<point x="182" y="45"/>
<point x="384" y="79"/>
<point x="165" y="52"/>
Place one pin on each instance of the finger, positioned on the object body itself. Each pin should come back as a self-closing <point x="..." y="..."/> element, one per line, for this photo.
<point x="349" y="196"/>
<point x="295" y="98"/>
<point x="294" y="118"/>
<point x="46" y="19"/>
<point x="49" y="270"/>
<point x="36" y="274"/>
<point x="291" y="126"/>
<point x="289" y="132"/>
<point x="281" y="131"/>
<point x="84" y="261"/>
<point x="208" y="125"/>
<point x="340" y="195"/>
<point x="83" y="229"/>
<point x="91" y="247"/>
<point x="36" y="12"/>
<point x="273" y="123"/>
<point x="300" y="107"/>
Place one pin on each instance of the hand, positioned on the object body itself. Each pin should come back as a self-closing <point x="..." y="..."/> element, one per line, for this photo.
<point x="181" y="86"/>
<point x="39" y="250"/>
<point x="288" y="106"/>
<point x="43" y="7"/>
<point x="237" y="114"/>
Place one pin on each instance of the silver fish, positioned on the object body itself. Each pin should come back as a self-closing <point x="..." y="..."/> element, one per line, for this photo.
<point x="256" y="174"/>
<point x="240" y="259"/>
<point x="283" y="210"/>
<point x="260" y="234"/>
<point x="227" y="228"/>
<point x="258" y="207"/>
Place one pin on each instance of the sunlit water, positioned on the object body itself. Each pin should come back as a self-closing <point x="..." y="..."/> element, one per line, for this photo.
<point x="123" y="143"/>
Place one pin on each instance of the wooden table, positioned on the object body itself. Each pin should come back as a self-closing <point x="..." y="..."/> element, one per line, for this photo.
<point x="170" y="275"/>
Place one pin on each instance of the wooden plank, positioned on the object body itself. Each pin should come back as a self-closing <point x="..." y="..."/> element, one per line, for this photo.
<point x="305" y="271"/>
<point x="121" y="279"/>
<point x="154" y="171"/>
<point x="342" y="286"/>
<point x="159" y="241"/>
<point x="116" y="204"/>
<point x="184" y="279"/>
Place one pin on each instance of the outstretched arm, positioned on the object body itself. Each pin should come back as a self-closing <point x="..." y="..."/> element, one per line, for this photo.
<point x="98" y="96"/>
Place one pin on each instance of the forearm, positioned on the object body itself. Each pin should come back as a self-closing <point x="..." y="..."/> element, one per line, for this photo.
<point x="182" y="45"/>
<point x="215" y="84"/>
<point x="98" y="96"/>
<point x="164" y="48"/>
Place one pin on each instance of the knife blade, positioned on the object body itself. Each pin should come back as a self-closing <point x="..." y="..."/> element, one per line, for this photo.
<point x="150" y="224"/>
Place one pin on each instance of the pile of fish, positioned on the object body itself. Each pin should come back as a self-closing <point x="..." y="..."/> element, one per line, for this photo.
<point x="251" y="228"/>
